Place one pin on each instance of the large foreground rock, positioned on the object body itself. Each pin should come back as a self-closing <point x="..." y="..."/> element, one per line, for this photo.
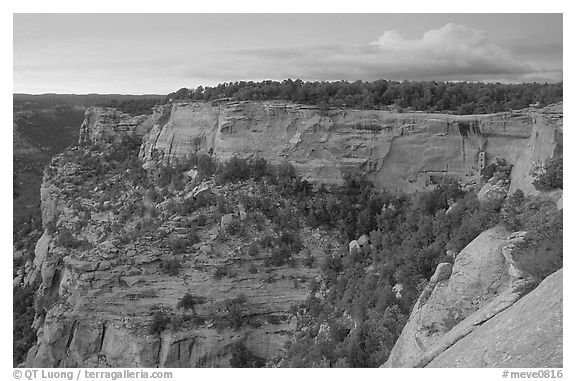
<point x="481" y="314"/>
<point x="526" y="335"/>
<point x="478" y="275"/>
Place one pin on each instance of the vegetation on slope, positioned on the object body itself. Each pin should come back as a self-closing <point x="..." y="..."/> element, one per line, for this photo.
<point x="357" y="316"/>
<point x="551" y="176"/>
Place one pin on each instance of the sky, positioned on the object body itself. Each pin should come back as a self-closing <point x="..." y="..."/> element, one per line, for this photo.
<point x="160" y="53"/>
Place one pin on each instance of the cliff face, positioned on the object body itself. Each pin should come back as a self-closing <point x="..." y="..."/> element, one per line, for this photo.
<point x="480" y="314"/>
<point x="107" y="125"/>
<point x="545" y="142"/>
<point x="399" y="151"/>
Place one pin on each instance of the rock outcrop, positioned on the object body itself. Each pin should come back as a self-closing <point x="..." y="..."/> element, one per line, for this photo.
<point x="103" y="125"/>
<point x="399" y="151"/>
<point x="478" y="315"/>
<point x="100" y="292"/>
<point x="494" y="191"/>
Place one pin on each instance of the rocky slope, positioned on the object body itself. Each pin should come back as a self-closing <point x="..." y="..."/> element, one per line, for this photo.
<point x="102" y="286"/>
<point x="399" y="151"/>
<point x="480" y="313"/>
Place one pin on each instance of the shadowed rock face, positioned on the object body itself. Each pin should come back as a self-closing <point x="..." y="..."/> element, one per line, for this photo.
<point x="481" y="316"/>
<point x="21" y="145"/>
<point x="399" y="151"/>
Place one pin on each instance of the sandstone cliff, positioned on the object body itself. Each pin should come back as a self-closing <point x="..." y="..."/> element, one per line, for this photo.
<point x="545" y="142"/>
<point x="399" y="151"/>
<point x="478" y="314"/>
<point x="107" y="125"/>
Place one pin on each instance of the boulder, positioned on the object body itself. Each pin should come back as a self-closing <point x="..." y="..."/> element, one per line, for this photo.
<point x="443" y="272"/>
<point x="494" y="192"/>
<point x="192" y="174"/>
<point x="242" y="212"/>
<point x="362" y="241"/>
<point x="353" y="245"/>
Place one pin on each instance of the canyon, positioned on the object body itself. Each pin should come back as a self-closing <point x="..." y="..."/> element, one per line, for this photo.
<point x="100" y="300"/>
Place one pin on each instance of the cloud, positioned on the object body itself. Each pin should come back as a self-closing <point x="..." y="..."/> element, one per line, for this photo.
<point x="452" y="52"/>
<point x="451" y="49"/>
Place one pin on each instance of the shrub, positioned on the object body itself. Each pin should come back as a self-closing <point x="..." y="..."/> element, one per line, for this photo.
<point x="287" y="221"/>
<point x="236" y="227"/>
<point x="189" y="301"/>
<point x="267" y="241"/>
<point x="260" y="168"/>
<point x="253" y="269"/>
<point x="233" y="170"/>
<point x="220" y="272"/>
<point x="511" y="211"/>
<point x="206" y="166"/>
<point x="309" y="260"/>
<point x="259" y="220"/>
<point x="159" y="322"/>
<point x="551" y="177"/>
<point x="171" y="266"/>
<point x="499" y="169"/>
<point x="541" y="251"/>
<point x="193" y="237"/>
<point x="66" y="239"/>
<point x="292" y="240"/>
<point x="253" y="249"/>
<point x="228" y="313"/>
<point x="51" y="226"/>
<point x="280" y="256"/>
<point x="201" y="220"/>
<point x="178" y="245"/>
<point x="243" y="358"/>
<point x="235" y="311"/>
